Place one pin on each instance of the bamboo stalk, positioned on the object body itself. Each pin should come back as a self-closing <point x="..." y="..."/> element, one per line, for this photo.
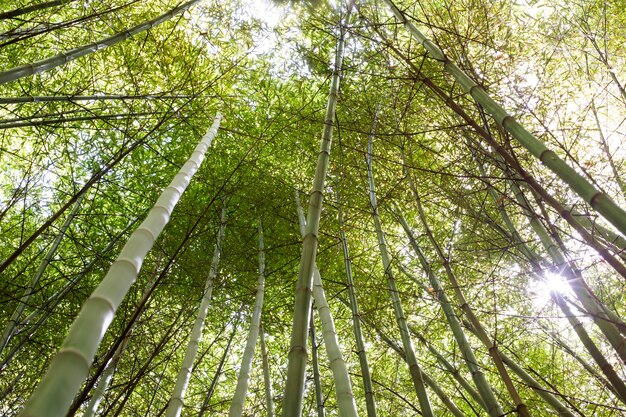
<point x="236" y="407"/>
<point x="317" y="382"/>
<point x="64" y="57"/>
<point x="70" y="366"/>
<point x="484" y="388"/>
<point x="28" y="292"/>
<point x="177" y="398"/>
<point x="343" y="386"/>
<point x="296" y="368"/>
<point x="579" y="184"/>
<point x="411" y="359"/>
<point x="269" y="403"/>
<point x="368" y="388"/>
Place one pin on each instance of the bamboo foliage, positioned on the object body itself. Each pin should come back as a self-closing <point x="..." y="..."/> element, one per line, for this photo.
<point x="236" y="407"/>
<point x="296" y="369"/>
<point x="176" y="401"/>
<point x="70" y="366"/>
<point x="592" y="196"/>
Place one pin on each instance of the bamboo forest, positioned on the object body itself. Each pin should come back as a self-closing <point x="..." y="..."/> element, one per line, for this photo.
<point x="312" y="208"/>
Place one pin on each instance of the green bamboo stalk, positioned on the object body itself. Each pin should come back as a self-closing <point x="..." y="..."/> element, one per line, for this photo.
<point x="575" y="279"/>
<point x="55" y="299"/>
<point x="343" y="386"/>
<point x="70" y="366"/>
<point x="368" y="388"/>
<point x="541" y="391"/>
<point x="484" y="388"/>
<point x="64" y="57"/>
<point x="317" y="382"/>
<point x="451" y="369"/>
<point x="596" y="199"/>
<point x="177" y="399"/>
<point x="269" y="403"/>
<point x="296" y="368"/>
<point x="9" y="330"/>
<point x="617" y="384"/>
<point x="236" y="407"/>
<point x="33" y="8"/>
<point x="411" y="359"/>
<point x="97" y="97"/>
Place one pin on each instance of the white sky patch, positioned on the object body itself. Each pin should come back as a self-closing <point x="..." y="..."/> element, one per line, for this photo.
<point x="541" y="290"/>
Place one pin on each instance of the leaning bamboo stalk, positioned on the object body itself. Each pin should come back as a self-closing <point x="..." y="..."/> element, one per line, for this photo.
<point x="592" y="196"/>
<point x="368" y="387"/>
<point x="64" y="57"/>
<point x="28" y="292"/>
<point x="177" y="398"/>
<point x="343" y="386"/>
<point x="411" y="359"/>
<point x="617" y="385"/>
<point x="484" y="388"/>
<point x="32" y="8"/>
<point x="236" y="407"/>
<point x="269" y="403"/>
<point x="541" y="391"/>
<point x="296" y="368"/>
<point x="97" y="97"/>
<point x="70" y="366"/>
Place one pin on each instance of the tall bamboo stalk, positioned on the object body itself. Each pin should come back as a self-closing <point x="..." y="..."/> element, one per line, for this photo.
<point x="296" y="368"/>
<point x="343" y="386"/>
<point x="411" y="359"/>
<point x="64" y="57"/>
<point x="267" y="380"/>
<point x="70" y="366"/>
<point x="28" y="292"/>
<point x="368" y="388"/>
<point x="236" y="407"/>
<point x="595" y="198"/>
<point x="484" y="389"/>
<point x="177" y="398"/>
<point x="317" y="381"/>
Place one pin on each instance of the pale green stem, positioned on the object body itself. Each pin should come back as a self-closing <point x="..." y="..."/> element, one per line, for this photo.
<point x="269" y="403"/>
<point x="69" y="368"/>
<point x="296" y="368"/>
<point x="343" y="386"/>
<point x="484" y="388"/>
<point x="23" y="303"/>
<point x="236" y="407"/>
<point x="368" y="388"/>
<point x="596" y="199"/>
<point x="64" y="57"/>
<point x="177" y="399"/>
<point x="411" y="359"/>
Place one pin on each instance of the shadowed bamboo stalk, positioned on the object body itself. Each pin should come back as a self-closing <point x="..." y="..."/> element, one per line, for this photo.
<point x="28" y="292"/>
<point x="296" y="368"/>
<point x="368" y="388"/>
<point x="64" y="57"/>
<point x="97" y="97"/>
<point x="317" y="382"/>
<point x="70" y="366"/>
<point x="411" y="359"/>
<point x="596" y="199"/>
<point x="269" y="403"/>
<point x="484" y="389"/>
<point x="177" y="398"/>
<point x="236" y="407"/>
<point x="343" y="386"/>
<point x="33" y="8"/>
